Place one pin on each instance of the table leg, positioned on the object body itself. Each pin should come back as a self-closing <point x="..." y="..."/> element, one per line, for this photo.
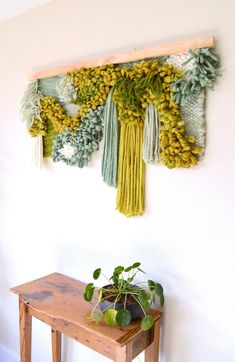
<point x="25" y="332"/>
<point x="56" y="345"/>
<point x="152" y="352"/>
<point x="124" y="353"/>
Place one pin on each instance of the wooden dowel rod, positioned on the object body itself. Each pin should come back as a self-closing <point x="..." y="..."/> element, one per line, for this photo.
<point x="161" y="50"/>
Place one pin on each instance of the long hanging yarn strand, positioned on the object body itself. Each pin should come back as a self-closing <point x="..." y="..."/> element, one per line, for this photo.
<point x="151" y="136"/>
<point x="131" y="171"/>
<point x="30" y="104"/>
<point x="111" y="133"/>
<point x="37" y="159"/>
<point x="31" y="108"/>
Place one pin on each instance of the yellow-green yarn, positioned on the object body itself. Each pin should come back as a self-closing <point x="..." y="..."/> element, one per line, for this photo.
<point x="176" y="149"/>
<point x="131" y="170"/>
<point x="93" y="85"/>
<point x="48" y="139"/>
<point x="53" y="112"/>
<point x="38" y="127"/>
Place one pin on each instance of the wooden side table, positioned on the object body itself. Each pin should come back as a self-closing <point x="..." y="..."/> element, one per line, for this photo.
<point x="57" y="300"/>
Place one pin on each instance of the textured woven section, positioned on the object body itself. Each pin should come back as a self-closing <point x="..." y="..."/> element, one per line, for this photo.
<point x="76" y="148"/>
<point x="51" y="87"/>
<point x="179" y="60"/>
<point x="192" y="111"/>
<point x="48" y="140"/>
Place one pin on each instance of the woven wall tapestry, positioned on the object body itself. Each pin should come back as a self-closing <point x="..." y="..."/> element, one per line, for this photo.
<point x="147" y="112"/>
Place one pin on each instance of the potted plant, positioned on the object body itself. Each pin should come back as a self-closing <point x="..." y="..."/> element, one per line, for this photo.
<point x="123" y="299"/>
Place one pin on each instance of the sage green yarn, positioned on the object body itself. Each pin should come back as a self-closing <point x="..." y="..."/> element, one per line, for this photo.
<point x="30" y="104"/>
<point x="203" y="75"/>
<point x="111" y="136"/>
<point x="151" y="146"/>
<point x="76" y="148"/>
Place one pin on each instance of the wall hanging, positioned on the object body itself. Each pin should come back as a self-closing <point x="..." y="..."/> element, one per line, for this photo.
<point x="148" y="105"/>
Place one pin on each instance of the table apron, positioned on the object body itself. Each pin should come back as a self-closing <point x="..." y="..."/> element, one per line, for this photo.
<point x="89" y="339"/>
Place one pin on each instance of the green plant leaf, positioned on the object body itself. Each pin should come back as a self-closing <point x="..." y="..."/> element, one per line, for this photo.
<point x="115" y="279"/>
<point x="123" y="317"/>
<point x="96" y="273"/>
<point x="118" y="270"/>
<point x="136" y="265"/>
<point x="147" y="322"/>
<point x="151" y="284"/>
<point x="89" y="291"/>
<point x="159" y="290"/>
<point x="129" y="268"/>
<point x="110" y="317"/>
<point x="162" y="300"/>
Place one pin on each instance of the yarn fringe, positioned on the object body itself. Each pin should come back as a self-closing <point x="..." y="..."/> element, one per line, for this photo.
<point x="111" y="134"/>
<point x="151" y="148"/>
<point x="131" y="171"/>
<point x="30" y="104"/>
<point x="38" y="152"/>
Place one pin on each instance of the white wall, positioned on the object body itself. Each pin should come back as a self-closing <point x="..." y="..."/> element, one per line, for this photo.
<point x="64" y="219"/>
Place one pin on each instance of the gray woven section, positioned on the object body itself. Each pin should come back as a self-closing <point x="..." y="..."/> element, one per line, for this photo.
<point x="192" y="113"/>
<point x="48" y="87"/>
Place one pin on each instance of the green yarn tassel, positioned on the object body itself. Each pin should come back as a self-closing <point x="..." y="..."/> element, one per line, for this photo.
<point x="30" y="104"/>
<point x="111" y="135"/>
<point x="203" y="75"/>
<point x="151" y="148"/>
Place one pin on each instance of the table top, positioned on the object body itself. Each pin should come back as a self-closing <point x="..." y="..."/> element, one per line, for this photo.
<point x="60" y="296"/>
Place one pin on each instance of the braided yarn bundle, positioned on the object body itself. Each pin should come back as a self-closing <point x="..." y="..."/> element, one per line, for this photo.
<point x="150" y="111"/>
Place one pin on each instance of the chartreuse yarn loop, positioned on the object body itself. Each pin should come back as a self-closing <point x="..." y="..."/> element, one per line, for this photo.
<point x="149" y="111"/>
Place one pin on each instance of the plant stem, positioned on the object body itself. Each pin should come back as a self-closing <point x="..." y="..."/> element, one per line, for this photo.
<point x="125" y="301"/>
<point x="140" y="305"/>
<point x="94" y="308"/>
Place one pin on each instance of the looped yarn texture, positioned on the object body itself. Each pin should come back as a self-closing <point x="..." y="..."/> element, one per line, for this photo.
<point x="203" y="75"/>
<point x="30" y="104"/>
<point x="158" y="104"/>
<point x="76" y="149"/>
